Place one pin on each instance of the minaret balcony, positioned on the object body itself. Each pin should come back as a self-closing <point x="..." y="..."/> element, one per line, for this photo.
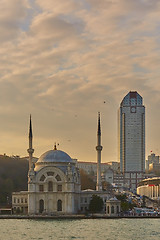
<point x="30" y="150"/>
<point x="99" y="148"/>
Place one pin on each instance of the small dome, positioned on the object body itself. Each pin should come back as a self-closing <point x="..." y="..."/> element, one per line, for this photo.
<point x="55" y="156"/>
<point x="113" y="199"/>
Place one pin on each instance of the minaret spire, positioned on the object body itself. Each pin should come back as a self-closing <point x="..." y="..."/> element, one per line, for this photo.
<point x="99" y="149"/>
<point x="30" y="128"/>
<point x="30" y="150"/>
<point x="99" y="125"/>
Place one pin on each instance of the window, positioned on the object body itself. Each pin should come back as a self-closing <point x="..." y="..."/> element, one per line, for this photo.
<point x="59" y="188"/>
<point x="41" y="188"/>
<point x="18" y="200"/>
<point x="25" y="200"/>
<point x="41" y="206"/>
<point x="14" y="200"/>
<point x="50" y="173"/>
<point x="42" y="178"/>
<point x="21" y="200"/>
<point x="108" y="209"/>
<point x="58" y="178"/>
<point x="59" y="205"/>
<point x="117" y="209"/>
<point x="50" y="186"/>
<point x="112" y="209"/>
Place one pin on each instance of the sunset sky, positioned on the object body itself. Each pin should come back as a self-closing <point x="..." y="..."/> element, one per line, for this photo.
<point x="65" y="60"/>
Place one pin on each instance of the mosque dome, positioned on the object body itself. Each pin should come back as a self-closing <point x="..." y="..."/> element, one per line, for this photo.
<point x="55" y="156"/>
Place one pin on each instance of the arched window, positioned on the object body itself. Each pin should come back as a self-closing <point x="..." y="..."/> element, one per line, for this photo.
<point x="58" y="178"/>
<point x="42" y="178"/>
<point x="117" y="209"/>
<point x="41" y="206"/>
<point x="108" y="209"/>
<point x="59" y="205"/>
<point x="50" y="186"/>
<point x="112" y="209"/>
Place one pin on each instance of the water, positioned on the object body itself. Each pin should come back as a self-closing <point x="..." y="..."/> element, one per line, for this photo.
<point x="108" y="229"/>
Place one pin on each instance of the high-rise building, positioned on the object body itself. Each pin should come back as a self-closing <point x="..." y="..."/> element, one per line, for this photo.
<point x="152" y="161"/>
<point x="132" y="138"/>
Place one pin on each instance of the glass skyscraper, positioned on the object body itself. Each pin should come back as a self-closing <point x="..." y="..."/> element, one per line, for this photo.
<point x="132" y="138"/>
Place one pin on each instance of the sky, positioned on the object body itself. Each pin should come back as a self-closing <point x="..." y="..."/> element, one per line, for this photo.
<point x="64" y="61"/>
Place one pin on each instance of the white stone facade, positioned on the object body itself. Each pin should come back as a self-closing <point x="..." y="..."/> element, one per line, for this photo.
<point x="86" y="196"/>
<point x="54" y="185"/>
<point x="113" y="207"/>
<point x="91" y="167"/>
<point x="20" y="202"/>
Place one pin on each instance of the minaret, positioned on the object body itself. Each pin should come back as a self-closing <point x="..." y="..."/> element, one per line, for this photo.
<point x="99" y="149"/>
<point x="30" y="150"/>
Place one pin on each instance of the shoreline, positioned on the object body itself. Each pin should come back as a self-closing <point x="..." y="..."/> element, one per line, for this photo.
<point x="72" y="217"/>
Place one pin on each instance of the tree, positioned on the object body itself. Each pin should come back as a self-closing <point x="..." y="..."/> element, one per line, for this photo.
<point x="86" y="181"/>
<point x="125" y="205"/>
<point x="96" y="204"/>
<point x="106" y="186"/>
<point x="13" y="177"/>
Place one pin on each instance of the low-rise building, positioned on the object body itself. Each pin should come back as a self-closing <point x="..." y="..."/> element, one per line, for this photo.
<point x="20" y="202"/>
<point x="86" y="196"/>
<point x="113" y="207"/>
<point x="108" y="176"/>
<point x="91" y="167"/>
<point x="150" y="187"/>
<point x="152" y="158"/>
<point x="115" y="165"/>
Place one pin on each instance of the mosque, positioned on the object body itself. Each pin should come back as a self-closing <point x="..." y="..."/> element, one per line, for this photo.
<point x="54" y="185"/>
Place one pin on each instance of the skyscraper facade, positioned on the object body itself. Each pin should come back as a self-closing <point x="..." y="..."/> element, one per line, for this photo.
<point x="132" y="138"/>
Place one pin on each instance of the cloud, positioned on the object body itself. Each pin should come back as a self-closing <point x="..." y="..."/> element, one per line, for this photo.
<point x="61" y="59"/>
<point x="12" y="15"/>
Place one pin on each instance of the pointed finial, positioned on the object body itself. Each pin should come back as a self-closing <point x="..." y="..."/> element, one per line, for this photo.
<point x="30" y="128"/>
<point x="99" y="125"/>
<point x="55" y="147"/>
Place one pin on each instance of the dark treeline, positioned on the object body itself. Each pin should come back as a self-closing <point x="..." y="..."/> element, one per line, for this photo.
<point x="13" y="177"/>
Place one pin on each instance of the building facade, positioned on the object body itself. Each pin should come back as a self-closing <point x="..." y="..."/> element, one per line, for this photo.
<point x="152" y="161"/>
<point x="113" y="207"/>
<point x="54" y="184"/>
<point x="132" y="139"/>
<point x="91" y="167"/>
<point x="150" y="187"/>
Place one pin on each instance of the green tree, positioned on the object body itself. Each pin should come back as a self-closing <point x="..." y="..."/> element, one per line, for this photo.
<point x="125" y="205"/>
<point x="96" y="204"/>
<point x="13" y="177"/>
<point x="87" y="181"/>
<point x="106" y="186"/>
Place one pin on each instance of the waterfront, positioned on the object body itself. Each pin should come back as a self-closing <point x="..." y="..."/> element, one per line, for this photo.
<point x="108" y="229"/>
